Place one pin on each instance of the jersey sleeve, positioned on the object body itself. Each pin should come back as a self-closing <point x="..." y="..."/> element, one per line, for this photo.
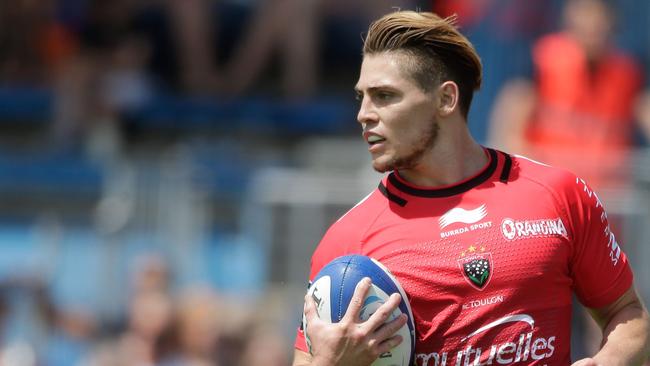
<point x="341" y="239"/>
<point x="599" y="268"/>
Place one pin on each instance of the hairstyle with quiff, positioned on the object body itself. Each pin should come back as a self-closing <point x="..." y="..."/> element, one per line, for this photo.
<point x="438" y="51"/>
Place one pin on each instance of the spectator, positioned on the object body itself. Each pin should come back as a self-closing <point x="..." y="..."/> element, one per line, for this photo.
<point x="266" y="35"/>
<point x="296" y="40"/>
<point x="33" y="42"/>
<point x="106" y="80"/>
<point x="265" y="347"/>
<point x="502" y="31"/>
<point x="579" y="111"/>
<point x="197" y="330"/>
<point x="149" y="318"/>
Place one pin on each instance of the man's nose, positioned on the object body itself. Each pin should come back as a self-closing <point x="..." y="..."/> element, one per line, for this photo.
<point x="367" y="113"/>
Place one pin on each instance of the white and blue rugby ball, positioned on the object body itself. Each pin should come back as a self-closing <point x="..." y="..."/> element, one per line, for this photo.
<point x="332" y="290"/>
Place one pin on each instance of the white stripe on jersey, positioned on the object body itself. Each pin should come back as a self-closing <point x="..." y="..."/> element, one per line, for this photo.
<point x="355" y="206"/>
<point x="531" y="160"/>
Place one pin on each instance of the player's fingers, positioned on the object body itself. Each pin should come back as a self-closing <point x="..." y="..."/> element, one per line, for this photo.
<point x="585" y="362"/>
<point x="356" y="303"/>
<point x="389" y="344"/>
<point x="389" y="329"/>
<point x="310" y="309"/>
<point x="383" y="312"/>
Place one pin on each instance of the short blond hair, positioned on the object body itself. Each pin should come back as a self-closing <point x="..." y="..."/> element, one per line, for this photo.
<point x="438" y="50"/>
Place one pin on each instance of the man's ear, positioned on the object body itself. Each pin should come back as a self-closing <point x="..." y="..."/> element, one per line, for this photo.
<point x="448" y="96"/>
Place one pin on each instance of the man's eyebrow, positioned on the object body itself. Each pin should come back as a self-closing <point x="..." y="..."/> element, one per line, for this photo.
<point x="372" y="88"/>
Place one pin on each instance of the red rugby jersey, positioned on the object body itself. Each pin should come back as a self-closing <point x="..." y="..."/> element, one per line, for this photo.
<point x="489" y="264"/>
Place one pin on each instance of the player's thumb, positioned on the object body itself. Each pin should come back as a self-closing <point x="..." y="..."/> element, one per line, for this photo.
<point x="586" y="362"/>
<point x="310" y="308"/>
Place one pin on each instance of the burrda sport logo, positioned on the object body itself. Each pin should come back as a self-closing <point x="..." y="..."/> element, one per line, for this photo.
<point x="460" y="215"/>
<point x="522" y="349"/>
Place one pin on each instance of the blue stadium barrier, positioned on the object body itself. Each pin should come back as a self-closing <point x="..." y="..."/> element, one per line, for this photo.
<point x="25" y="104"/>
<point x="49" y="173"/>
<point x="324" y="115"/>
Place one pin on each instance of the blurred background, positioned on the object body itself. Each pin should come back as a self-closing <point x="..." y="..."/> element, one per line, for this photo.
<point x="168" y="166"/>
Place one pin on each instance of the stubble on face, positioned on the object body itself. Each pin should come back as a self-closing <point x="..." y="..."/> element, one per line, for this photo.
<point x="410" y="159"/>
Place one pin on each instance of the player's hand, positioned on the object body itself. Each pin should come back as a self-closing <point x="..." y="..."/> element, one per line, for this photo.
<point x="586" y="362"/>
<point x="352" y="342"/>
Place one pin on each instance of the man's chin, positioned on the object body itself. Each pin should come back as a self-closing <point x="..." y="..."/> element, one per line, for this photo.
<point x="382" y="167"/>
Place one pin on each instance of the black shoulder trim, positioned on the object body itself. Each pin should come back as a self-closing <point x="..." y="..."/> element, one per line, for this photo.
<point x="450" y="191"/>
<point x="392" y="197"/>
<point x="507" y="166"/>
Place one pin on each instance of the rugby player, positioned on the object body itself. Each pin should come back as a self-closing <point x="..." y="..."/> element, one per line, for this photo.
<point x="489" y="247"/>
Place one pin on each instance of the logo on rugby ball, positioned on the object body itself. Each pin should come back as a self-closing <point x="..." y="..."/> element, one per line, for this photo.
<point x="333" y="290"/>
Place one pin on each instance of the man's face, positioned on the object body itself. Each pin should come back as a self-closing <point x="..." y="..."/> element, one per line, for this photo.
<point x="398" y="117"/>
<point x="590" y="23"/>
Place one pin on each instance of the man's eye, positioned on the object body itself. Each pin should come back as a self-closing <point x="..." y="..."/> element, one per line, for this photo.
<point x="358" y="97"/>
<point x="384" y="96"/>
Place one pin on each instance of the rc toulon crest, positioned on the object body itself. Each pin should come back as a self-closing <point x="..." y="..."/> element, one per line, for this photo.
<point x="476" y="266"/>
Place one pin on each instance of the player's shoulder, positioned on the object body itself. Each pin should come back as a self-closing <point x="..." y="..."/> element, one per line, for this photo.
<point x="553" y="178"/>
<point x="346" y="234"/>
<point x="362" y="213"/>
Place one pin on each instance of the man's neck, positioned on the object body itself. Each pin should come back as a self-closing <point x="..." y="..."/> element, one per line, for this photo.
<point x="450" y="161"/>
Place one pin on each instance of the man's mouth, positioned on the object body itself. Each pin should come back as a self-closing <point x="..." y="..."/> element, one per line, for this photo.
<point x="374" y="139"/>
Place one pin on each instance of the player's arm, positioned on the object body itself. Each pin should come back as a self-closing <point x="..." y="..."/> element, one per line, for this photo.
<point x="642" y="113"/>
<point x="625" y="325"/>
<point x="510" y="116"/>
<point x="301" y="358"/>
<point x="351" y="342"/>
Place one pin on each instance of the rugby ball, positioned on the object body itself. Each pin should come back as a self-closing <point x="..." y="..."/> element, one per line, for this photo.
<point x="332" y="290"/>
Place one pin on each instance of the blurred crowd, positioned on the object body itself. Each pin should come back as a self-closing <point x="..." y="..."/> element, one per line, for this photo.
<point x="100" y="63"/>
<point x="583" y="111"/>
<point x="162" y="326"/>
<point x="564" y="83"/>
<point x="106" y="60"/>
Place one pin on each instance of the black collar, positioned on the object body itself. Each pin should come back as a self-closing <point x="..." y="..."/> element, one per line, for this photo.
<point x="452" y="190"/>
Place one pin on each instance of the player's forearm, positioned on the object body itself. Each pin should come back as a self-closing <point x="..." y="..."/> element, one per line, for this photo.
<point x="304" y="359"/>
<point x="625" y="337"/>
<point x="301" y="358"/>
